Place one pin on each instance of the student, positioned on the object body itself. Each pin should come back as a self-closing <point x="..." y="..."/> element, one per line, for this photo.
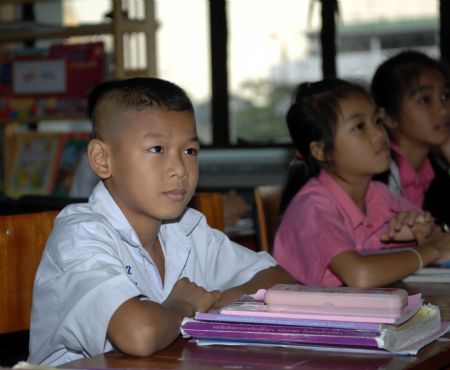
<point x="413" y="89"/>
<point x="124" y="269"/>
<point x="340" y="217"/>
<point x="84" y="180"/>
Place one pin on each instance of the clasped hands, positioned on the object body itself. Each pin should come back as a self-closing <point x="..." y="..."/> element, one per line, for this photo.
<point x="419" y="227"/>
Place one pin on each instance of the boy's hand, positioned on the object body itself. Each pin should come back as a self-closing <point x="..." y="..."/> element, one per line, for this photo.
<point x="141" y="327"/>
<point x="409" y="226"/>
<point x="228" y="297"/>
<point x="189" y="297"/>
<point x="264" y="279"/>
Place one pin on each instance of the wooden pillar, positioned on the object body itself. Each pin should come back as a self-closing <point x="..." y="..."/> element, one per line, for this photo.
<point x="444" y="32"/>
<point x="328" y="38"/>
<point x="28" y="16"/>
<point x="219" y="73"/>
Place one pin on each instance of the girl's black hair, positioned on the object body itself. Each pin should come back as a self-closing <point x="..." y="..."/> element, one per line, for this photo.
<point x="398" y="75"/>
<point x="314" y="114"/>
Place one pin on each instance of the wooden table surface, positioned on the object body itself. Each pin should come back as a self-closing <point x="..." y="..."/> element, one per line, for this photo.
<point x="185" y="355"/>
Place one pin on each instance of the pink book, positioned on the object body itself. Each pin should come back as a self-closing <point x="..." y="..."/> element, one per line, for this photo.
<point x="293" y="301"/>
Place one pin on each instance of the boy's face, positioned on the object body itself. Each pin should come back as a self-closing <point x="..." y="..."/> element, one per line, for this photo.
<point x="153" y="164"/>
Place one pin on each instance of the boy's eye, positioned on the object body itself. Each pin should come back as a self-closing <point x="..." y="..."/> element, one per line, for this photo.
<point x="445" y="95"/>
<point x="192" y="151"/>
<point x="156" y="149"/>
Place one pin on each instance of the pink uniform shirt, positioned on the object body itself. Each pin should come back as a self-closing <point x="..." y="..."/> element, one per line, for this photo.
<point x="322" y="221"/>
<point x="413" y="183"/>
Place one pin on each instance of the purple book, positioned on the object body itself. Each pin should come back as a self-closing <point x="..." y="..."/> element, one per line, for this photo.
<point x="219" y="317"/>
<point x="280" y="333"/>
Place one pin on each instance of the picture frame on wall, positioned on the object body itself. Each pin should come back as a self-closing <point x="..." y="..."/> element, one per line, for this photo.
<point x="39" y="77"/>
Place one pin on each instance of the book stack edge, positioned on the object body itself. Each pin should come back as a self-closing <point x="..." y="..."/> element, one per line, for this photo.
<point x="252" y="322"/>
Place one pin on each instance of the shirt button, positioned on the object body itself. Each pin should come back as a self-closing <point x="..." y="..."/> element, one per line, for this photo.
<point x="418" y="182"/>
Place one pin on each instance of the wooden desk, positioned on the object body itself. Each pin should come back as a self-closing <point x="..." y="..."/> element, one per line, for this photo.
<point x="184" y="355"/>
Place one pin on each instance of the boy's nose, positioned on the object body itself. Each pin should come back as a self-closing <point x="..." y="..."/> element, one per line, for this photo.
<point x="179" y="169"/>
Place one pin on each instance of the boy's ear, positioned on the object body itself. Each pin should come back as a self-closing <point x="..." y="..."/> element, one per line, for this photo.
<point x="99" y="158"/>
<point x="317" y="150"/>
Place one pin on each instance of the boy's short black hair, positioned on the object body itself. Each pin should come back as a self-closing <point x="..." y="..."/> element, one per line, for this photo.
<point x="137" y="94"/>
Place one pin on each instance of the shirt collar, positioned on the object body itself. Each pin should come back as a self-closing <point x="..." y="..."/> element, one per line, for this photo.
<point x="342" y="198"/>
<point x="375" y="203"/>
<point x="408" y="174"/>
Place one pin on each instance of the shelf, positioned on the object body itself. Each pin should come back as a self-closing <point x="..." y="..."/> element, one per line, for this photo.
<point x="125" y="53"/>
<point x="55" y="118"/>
<point x="123" y="30"/>
<point x="54" y="32"/>
<point x="19" y="2"/>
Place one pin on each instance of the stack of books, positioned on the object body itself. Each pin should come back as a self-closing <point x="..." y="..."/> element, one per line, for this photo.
<point x="336" y="318"/>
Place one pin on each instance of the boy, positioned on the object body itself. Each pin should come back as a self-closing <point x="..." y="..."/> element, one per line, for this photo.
<point x="122" y="270"/>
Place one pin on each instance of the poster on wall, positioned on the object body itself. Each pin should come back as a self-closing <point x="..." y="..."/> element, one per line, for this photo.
<point x="39" y="77"/>
<point x="33" y="164"/>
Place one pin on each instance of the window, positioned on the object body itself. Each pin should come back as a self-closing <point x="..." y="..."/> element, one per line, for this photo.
<point x="268" y="57"/>
<point x="272" y="46"/>
<point x="183" y="54"/>
<point x="369" y="31"/>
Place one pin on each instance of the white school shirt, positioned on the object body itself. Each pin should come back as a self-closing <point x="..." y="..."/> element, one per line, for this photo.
<point x="93" y="262"/>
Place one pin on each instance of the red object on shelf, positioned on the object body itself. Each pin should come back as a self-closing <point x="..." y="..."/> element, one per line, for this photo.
<point x="85" y="65"/>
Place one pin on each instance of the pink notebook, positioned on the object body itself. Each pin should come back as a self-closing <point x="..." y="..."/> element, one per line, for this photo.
<point x="384" y="305"/>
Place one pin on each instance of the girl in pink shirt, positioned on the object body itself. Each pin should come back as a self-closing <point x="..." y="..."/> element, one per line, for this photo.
<point x="413" y="89"/>
<point x="334" y="224"/>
